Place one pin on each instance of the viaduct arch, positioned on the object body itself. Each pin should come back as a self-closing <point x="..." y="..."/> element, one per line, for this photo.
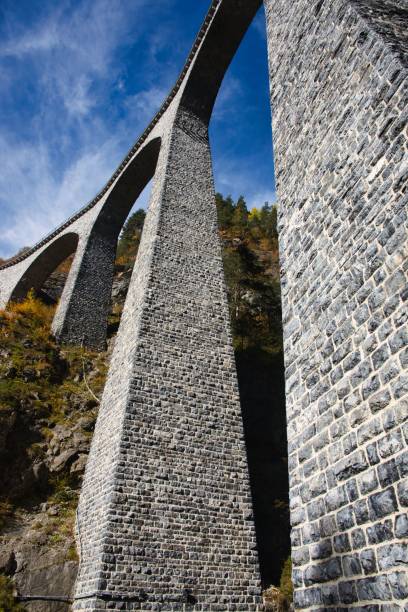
<point x="44" y="264"/>
<point x="83" y="310"/>
<point x="165" y="515"/>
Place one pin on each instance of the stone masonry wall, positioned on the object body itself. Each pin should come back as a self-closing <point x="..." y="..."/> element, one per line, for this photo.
<point x="165" y="515"/>
<point x="339" y="97"/>
<point x="99" y="491"/>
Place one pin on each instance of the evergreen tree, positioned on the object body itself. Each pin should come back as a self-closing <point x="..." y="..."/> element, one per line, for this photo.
<point x="240" y="216"/>
<point x="133" y="224"/>
<point x="268" y="221"/>
<point x="131" y="234"/>
<point x="225" y="210"/>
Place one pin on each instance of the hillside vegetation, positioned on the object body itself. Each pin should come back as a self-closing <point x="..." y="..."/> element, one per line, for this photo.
<point x="49" y="399"/>
<point x="48" y="408"/>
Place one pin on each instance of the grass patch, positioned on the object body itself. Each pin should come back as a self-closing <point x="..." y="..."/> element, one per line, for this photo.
<point x="72" y="554"/>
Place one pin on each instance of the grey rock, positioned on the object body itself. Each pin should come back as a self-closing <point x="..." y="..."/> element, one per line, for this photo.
<point x="401" y="526"/>
<point x="380" y="532"/>
<point x="399" y="584"/>
<point x="375" y="587"/>
<point x="382" y="503"/>
<point x="348" y="592"/>
<point x="392" y="555"/>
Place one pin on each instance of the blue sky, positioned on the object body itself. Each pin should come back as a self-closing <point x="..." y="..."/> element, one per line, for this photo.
<point x="80" y="80"/>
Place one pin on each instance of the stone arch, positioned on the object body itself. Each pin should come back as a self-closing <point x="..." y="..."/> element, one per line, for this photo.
<point x="215" y="55"/>
<point x="127" y="189"/>
<point x="83" y="311"/>
<point x="47" y="261"/>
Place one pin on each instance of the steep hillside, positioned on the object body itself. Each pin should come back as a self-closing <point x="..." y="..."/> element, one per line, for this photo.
<point x="49" y="399"/>
<point x="48" y="406"/>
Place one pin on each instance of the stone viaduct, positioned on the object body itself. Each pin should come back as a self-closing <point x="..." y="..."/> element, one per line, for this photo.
<point x="165" y="516"/>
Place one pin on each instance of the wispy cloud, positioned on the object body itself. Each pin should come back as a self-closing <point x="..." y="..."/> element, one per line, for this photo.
<point x="229" y="97"/>
<point x="242" y="177"/>
<point x="258" y="198"/>
<point x="69" y="149"/>
<point x="70" y="49"/>
<point x="37" y="210"/>
<point x="144" y="104"/>
<point x="41" y="39"/>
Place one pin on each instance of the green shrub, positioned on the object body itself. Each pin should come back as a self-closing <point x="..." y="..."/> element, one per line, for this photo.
<point x="286" y="585"/>
<point x="7" y="600"/>
<point x="72" y="554"/>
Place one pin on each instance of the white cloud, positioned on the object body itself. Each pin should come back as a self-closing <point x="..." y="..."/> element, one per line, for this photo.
<point x="42" y="39"/>
<point x="228" y="98"/>
<point x="77" y="99"/>
<point x="71" y="150"/>
<point x="72" y="48"/>
<point x="36" y="198"/>
<point x="238" y="176"/>
<point x="43" y="201"/>
<point x="144" y="104"/>
<point x="53" y="165"/>
<point x="258" y="198"/>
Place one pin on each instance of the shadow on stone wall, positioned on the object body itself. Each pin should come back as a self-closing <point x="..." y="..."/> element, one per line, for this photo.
<point x="262" y="391"/>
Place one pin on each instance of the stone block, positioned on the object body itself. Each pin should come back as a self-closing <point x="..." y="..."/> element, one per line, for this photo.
<point x="383" y="503"/>
<point x="401" y="526"/>
<point x="375" y="587"/>
<point x="348" y="592"/>
<point x="380" y="532"/>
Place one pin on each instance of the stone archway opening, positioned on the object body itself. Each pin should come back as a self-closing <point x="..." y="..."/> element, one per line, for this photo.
<point x="53" y="286"/>
<point x="126" y="254"/>
<point x="47" y="274"/>
<point x="123" y="219"/>
<point x="93" y="274"/>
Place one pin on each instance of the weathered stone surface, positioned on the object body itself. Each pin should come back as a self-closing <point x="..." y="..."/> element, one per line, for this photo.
<point x="338" y="72"/>
<point x="39" y="570"/>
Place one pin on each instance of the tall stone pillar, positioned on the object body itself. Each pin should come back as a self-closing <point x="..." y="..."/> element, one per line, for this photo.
<point x="165" y="515"/>
<point x="338" y="71"/>
<point x="82" y="313"/>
